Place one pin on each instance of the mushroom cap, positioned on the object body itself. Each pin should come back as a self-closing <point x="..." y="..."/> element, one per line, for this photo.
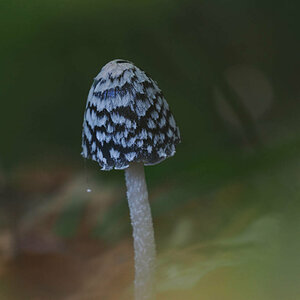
<point x="127" y="119"/>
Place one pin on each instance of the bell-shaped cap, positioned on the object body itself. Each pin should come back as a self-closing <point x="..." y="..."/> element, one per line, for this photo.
<point x="127" y="119"/>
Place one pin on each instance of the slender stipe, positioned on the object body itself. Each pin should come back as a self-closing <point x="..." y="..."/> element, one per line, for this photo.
<point x="143" y="233"/>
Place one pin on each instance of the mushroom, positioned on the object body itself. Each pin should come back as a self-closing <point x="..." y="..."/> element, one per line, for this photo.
<point x="128" y="124"/>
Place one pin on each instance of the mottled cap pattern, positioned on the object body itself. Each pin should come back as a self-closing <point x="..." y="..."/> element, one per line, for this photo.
<point x="127" y="119"/>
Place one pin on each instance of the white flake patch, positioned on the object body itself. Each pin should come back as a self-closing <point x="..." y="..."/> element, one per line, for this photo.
<point x="110" y="128"/>
<point x="128" y="123"/>
<point x="164" y="111"/>
<point x="158" y="104"/>
<point x="101" y="157"/>
<point x="143" y="134"/>
<point x="93" y="116"/>
<point x="151" y="124"/>
<point x="149" y="149"/>
<point x="100" y="103"/>
<point x="100" y="136"/>
<point x="111" y="104"/>
<point x="161" y="152"/>
<point x="127" y="77"/>
<point x="103" y="137"/>
<point x="139" y="143"/>
<point x="87" y="133"/>
<point x="166" y="105"/>
<point x="130" y="156"/>
<point x="141" y="75"/>
<point x="159" y="101"/>
<point x="138" y="87"/>
<point x="123" y="143"/>
<point x="106" y="84"/>
<point x="172" y="121"/>
<point x="151" y="92"/>
<point x="117" y="137"/>
<point x="156" y="139"/>
<point x="131" y="142"/>
<point x="141" y="107"/>
<point x="101" y="121"/>
<point x="170" y="133"/>
<point x="114" y="154"/>
<point x="117" y="119"/>
<point x="151" y="101"/>
<point x="154" y="115"/>
<point x="162" y="122"/>
<point x="113" y="68"/>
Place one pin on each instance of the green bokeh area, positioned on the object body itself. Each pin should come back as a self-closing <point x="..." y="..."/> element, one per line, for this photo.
<point x="51" y="51"/>
<point x="230" y="196"/>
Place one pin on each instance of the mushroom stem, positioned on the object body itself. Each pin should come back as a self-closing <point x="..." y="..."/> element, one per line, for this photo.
<point x="143" y="234"/>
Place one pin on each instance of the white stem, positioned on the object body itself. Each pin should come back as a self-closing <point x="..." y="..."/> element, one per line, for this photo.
<point x="143" y="234"/>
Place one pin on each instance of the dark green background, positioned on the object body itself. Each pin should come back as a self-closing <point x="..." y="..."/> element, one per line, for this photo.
<point x="51" y="50"/>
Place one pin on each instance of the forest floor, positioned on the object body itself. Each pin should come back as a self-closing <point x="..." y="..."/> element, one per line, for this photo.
<point x="218" y="250"/>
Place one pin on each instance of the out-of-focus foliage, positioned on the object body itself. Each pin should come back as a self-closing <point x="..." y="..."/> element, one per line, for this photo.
<point x="225" y="208"/>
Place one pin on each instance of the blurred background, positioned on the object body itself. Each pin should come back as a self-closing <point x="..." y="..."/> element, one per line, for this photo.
<point x="225" y="207"/>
